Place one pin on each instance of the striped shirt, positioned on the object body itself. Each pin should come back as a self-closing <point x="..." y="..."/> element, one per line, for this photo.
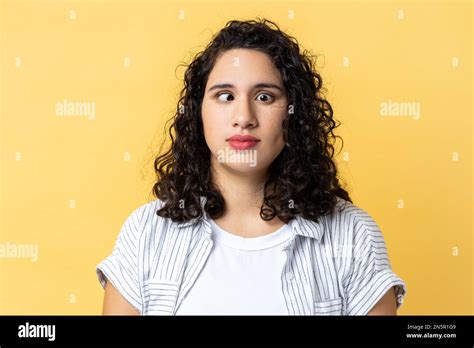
<point x="336" y="266"/>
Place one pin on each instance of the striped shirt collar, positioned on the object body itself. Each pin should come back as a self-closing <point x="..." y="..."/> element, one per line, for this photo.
<point x="300" y="225"/>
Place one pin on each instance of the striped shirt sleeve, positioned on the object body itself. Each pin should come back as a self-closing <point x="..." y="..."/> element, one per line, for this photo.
<point x="370" y="275"/>
<point x="121" y="266"/>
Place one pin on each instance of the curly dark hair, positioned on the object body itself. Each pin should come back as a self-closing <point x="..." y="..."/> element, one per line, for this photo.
<point x="303" y="174"/>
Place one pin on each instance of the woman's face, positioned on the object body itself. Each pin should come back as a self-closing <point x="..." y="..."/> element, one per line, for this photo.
<point x="244" y="95"/>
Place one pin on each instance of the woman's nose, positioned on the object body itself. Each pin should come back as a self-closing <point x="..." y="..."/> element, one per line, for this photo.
<point x="244" y="114"/>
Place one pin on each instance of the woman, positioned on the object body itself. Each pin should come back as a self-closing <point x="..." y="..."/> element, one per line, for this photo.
<point x="250" y="217"/>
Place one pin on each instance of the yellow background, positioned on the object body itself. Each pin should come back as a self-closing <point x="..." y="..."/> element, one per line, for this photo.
<point x="79" y="178"/>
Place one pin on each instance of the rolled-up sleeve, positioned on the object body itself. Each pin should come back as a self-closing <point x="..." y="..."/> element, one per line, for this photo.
<point x="371" y="274"/>
<point x="121" y="266"/>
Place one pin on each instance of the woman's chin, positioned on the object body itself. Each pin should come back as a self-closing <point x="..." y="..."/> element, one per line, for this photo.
<point x="242" y="168"/>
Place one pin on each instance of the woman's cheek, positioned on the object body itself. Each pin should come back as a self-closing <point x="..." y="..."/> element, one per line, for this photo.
<point x="274" y="129"/>
<point x="213" y="132"/>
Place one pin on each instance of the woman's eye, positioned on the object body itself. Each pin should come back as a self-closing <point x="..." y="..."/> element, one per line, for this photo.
<point x="267" y="97"/>
<point x="226" y="96"/>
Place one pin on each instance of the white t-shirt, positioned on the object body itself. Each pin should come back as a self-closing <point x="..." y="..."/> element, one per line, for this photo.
<point x="241" y="277"/>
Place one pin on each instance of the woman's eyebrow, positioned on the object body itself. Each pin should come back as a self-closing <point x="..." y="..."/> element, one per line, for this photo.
<point x="258" y="85"/>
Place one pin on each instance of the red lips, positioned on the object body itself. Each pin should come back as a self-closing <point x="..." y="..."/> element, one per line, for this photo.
<point x="238" y="137"/>
<point x="242" y="142"/>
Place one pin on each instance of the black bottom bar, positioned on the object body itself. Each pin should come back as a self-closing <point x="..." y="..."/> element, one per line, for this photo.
<point x="293" y="331"/>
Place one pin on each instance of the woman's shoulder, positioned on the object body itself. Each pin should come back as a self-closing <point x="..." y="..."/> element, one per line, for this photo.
<point x="144" y="218"/>
<point x="346" y="209"/>
<point x="348" y="221"/>
<point x="149" y="208"/>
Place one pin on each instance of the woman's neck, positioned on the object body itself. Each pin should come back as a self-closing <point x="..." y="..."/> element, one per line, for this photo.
<point x="243" y="196"/>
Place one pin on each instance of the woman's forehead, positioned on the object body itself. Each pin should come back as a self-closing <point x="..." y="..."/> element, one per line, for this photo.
<point x="244" y="67"/>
